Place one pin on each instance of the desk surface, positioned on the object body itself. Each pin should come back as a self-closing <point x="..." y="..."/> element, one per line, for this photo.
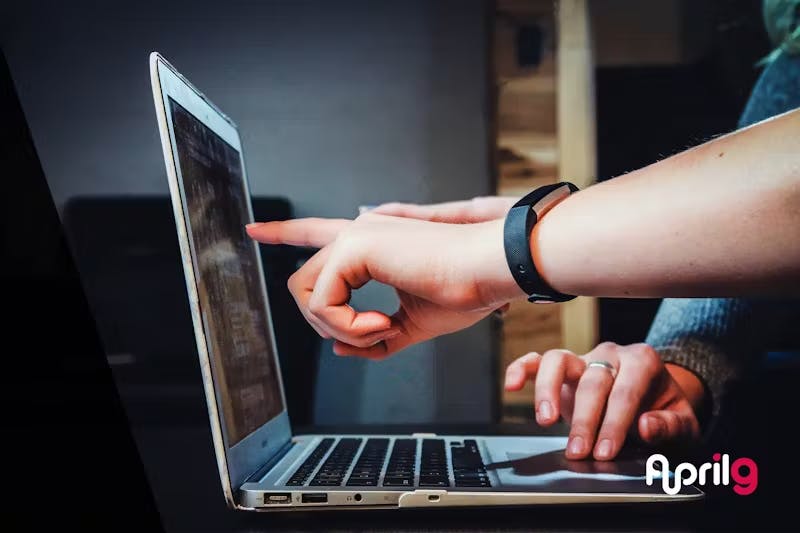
<point x="184" y="479"/>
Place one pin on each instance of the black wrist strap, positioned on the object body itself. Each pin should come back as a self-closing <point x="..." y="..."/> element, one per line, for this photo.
<point x="516" y="239"/>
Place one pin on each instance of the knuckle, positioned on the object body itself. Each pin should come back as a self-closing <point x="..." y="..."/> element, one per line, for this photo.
<point x="608" y="346"/>
<point x="368" y="217"/>
<point x="642" y="358"/>
<point x="649" y="358"/>
<point x="293" y="283"/>
<point x="646" y="350"/>
<point x="554" y="355"/>
<point x="315" y="307"/>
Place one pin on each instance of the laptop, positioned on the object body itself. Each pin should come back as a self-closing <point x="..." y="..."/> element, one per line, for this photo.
<point x="262" y="465"/>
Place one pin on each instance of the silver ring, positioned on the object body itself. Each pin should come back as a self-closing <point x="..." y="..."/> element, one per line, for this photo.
<point x="606" y="365"/>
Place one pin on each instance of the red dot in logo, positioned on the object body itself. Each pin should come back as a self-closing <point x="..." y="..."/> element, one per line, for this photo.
<point x="716" y="456"/>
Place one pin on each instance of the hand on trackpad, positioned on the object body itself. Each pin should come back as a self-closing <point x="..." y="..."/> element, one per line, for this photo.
<point x="525" y="465"/>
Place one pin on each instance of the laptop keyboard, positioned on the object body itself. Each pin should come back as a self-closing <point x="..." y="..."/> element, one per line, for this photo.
<point x="336" y="465"/>
<point x="302" y="474"/>
<point x="468" y="468"/>
<point x="369" y="465"/>
<point x="433" y="470"/>
<point x="402" y="463"/>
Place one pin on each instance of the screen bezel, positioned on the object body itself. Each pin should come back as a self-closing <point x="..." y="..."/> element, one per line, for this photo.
<point x="237" y="462"/>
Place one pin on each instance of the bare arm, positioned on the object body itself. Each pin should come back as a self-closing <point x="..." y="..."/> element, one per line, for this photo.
<point x="720" y="219"/>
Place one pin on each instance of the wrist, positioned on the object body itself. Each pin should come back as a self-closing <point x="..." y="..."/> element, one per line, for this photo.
<point x="549" y="247"/>
<point x="487" y="266"/>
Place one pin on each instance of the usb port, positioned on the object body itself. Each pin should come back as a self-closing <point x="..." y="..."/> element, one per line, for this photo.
<point x="276" y="498"/>
<point x="314" y="497"/>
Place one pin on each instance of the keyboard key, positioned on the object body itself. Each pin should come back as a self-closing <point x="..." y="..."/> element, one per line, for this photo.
<point x="398" y="481"/>
<point x="371" y="482"/>
<point x="402" y="462"/>
<point x="301" y="475"/>
<point x="369" y="464"/>
<point x="434" y="471"/>
<point x="336" y="465"/>
<point x="468" y="467"/>
<point x="433" y="481"/>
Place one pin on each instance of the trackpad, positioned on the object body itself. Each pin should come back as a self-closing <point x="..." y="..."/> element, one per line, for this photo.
<point x="541" y="464"/>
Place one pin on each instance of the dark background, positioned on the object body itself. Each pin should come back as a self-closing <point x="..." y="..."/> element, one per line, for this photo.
<point x="64" y="431"/>
<point x="386" y="119"/>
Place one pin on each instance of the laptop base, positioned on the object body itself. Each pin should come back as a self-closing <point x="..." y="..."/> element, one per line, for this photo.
<point x="520" y="471"/>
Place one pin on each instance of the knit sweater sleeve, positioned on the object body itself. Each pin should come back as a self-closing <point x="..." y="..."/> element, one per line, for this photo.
<point x="712" y="337"/>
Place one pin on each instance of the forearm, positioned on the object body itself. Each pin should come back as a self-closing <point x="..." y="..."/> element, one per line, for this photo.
<point x="720" y="219"/>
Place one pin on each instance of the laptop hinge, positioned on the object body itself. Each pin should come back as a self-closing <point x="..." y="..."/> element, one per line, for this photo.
<point x="262" y="471"/>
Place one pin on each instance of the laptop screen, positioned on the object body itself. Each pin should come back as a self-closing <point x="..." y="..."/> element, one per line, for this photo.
<point x="229" y="287"/>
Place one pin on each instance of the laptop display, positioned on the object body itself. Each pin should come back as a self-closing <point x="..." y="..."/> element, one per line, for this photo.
<point x="229" y="289"/>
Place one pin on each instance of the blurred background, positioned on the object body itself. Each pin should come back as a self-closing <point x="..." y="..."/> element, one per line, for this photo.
<point x="343" y="103"/>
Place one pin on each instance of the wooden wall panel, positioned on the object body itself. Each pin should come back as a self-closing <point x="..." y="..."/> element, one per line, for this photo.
<point x="532" y="122"/>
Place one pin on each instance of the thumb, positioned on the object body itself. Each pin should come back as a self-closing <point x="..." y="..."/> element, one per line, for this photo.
<point x="657" y="427"/>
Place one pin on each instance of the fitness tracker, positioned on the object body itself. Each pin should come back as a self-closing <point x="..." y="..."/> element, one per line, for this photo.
<point x="517" y="237"/>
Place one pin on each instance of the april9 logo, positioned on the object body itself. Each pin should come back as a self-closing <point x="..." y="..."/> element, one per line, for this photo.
<point x="743" y="471"/>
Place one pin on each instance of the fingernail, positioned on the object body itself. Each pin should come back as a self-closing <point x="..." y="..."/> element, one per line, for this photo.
<point x="576" y="445"/>
<point x="253" y="224"/>
<point x="545" y="411"/>
<point x="605" y="448"/>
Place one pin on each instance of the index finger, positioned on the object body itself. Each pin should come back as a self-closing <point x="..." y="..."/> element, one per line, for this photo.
<point x="311" y="232"/>
<point x="479" y="209"/>
<point x="445" y="212"/>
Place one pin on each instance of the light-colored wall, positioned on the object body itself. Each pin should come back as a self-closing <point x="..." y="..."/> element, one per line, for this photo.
<point x="340" y="103"/>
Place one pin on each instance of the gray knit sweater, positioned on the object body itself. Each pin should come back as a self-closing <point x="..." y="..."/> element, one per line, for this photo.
<point x="718" y="338"/>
